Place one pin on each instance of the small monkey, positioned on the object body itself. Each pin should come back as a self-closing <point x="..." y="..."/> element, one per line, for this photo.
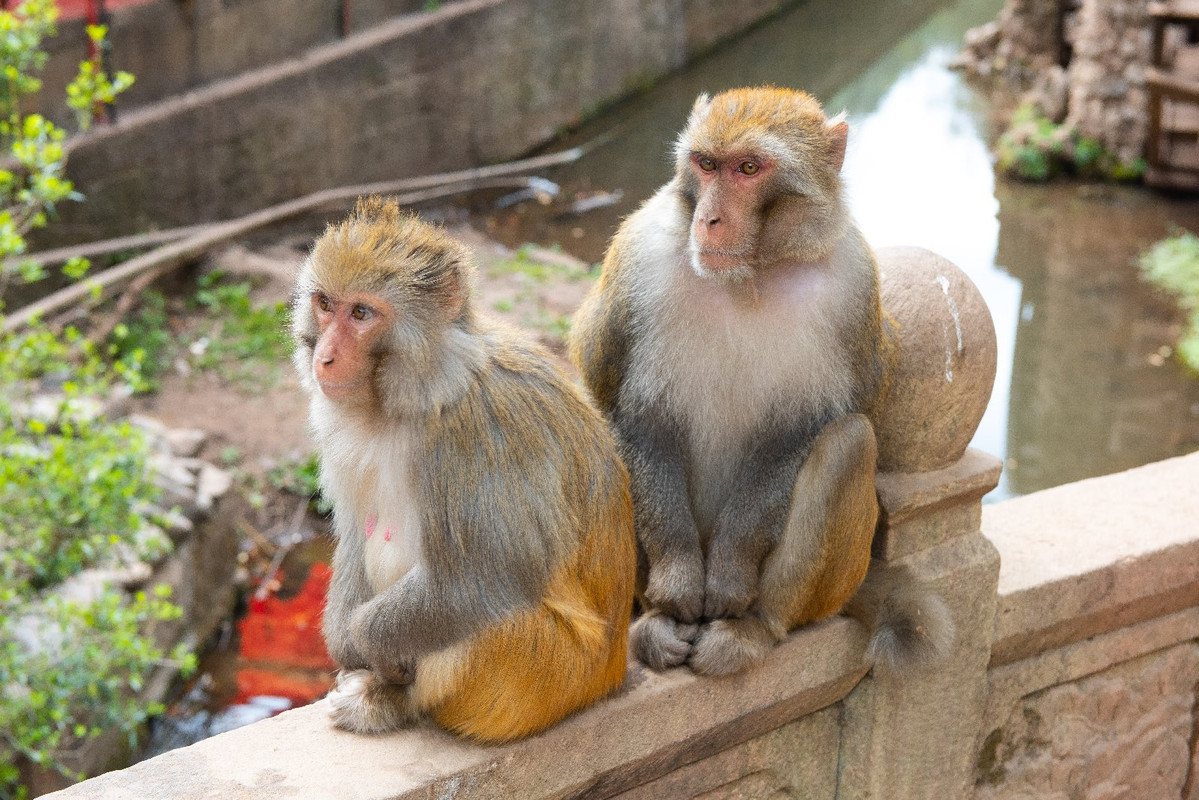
<point x="485" y="558"/>
<point x="736" y="343"/>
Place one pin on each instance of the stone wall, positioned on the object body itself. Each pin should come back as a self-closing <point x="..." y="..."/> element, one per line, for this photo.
<point x="1092" y="686"/>
<point x="1079" y="62"/>
<point x="1108" y="100"/>
<point x="475" y="82"/>
<point x="172" y="46"/>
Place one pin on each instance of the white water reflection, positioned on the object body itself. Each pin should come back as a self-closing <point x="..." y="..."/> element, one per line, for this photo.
<point x="919" y="173"/>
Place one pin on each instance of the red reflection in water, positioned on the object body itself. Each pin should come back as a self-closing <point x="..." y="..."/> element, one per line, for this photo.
<point x="282" y="652"/>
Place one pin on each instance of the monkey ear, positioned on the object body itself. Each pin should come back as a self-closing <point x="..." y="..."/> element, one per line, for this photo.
<point x="838" y="137"/>
<point x="698" y="108"/>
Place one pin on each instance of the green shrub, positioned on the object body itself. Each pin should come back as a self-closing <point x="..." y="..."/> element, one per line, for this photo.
<point x="74" y="494"/>
<point x="1034" y="148"/>
<point x="1173" y="264"/>
<point x="240" y="340"/>
<point x="145" y="342"/>
<point x="74" y="487"/>
<point x="301" y="477"/>
<point x="31" y="190"/>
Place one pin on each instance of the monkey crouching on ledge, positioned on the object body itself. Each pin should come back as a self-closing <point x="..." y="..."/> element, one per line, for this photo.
<point x="485" y="553"/>
<point x="736" y="343"/>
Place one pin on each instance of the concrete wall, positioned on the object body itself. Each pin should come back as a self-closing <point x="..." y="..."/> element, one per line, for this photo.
<point x="1074" y="675"/>
<point x="173" y="46"/>
<point x="478" y="81"/>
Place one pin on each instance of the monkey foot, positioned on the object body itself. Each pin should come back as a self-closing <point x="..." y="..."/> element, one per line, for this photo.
<point x="727" y="646"/>
<point x="362" y="702"/>
<point x="661" y="642"/>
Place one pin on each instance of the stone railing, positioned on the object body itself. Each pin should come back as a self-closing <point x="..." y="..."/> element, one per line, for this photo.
<point x="1073" y="668"/>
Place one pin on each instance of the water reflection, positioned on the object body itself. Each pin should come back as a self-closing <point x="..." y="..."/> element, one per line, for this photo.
<point x="1082" y="387"/>
<point x="1094" y="390"/>
<point x="919" y="172"/>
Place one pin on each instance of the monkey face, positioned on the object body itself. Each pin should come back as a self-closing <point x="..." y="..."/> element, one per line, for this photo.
<point x="349" y="329"/>
<point x="760" y="169"/>
<point x="728" y="212"/>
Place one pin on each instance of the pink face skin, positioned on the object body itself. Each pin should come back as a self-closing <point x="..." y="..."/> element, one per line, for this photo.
<point x="727" y="218"/>
<point x="349" y="327"/>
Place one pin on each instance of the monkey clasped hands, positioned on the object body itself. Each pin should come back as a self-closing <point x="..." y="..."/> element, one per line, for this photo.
<point x="485" y="553"/>
<point x="736" y="344"/>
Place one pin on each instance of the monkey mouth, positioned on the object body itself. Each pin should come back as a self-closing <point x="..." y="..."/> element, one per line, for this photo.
<point x="711" y="259"/>
<point x="337" y="390"/>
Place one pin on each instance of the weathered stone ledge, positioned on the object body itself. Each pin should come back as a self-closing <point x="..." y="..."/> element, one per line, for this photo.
<point x="1094" y="556"/>
<point x="925" y="509"/>
<point x="656" y="723"/>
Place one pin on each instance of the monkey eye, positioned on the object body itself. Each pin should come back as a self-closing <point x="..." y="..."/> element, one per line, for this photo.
<point x="361" y="312"/>
<point x="749" y="167"/>
<point x="323" y="303"/>
<point x="706" y="164"/>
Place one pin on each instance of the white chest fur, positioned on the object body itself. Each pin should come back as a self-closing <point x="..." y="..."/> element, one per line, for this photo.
<point x="369" y="479"/>
<point x="732" y="356"/>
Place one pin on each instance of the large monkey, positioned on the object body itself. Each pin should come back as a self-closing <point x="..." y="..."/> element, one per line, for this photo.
<point x="736" y="343"/>
<point x="485" y="555"/>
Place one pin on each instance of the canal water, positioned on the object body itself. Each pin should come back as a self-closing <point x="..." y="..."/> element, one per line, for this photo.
<point x="1086" y="382"/>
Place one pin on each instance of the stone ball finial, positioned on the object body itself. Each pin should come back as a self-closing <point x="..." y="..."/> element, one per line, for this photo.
<point x="945" y="361"/>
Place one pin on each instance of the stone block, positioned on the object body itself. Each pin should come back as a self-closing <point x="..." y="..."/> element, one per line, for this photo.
<point x="796" y="760"/>
<point x="914" y="735"/>
<point x="1071" y="571"/>
<point x="924" y="509"/>
<point x="1125" y="732"/>
<point x="1008" y="683"/>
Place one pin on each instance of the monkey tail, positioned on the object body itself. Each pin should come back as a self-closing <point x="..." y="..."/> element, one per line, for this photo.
<point x="911" y="627"/>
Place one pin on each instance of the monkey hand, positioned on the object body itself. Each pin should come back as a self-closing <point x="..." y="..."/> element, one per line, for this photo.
<point x="675" y="586"/>
<point x="731" y="587"/>
<point x="661" y="642"/>
<point x="377" y="648"/>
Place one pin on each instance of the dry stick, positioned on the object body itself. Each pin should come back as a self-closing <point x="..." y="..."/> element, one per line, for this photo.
<point x="125" y="303"/>
<point x="173" y="255"/>
<point x="137" y="241"/>
<point x="129" y="297"/>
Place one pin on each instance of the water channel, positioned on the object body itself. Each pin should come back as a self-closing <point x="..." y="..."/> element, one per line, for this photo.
<point x="1085" y="385"/>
